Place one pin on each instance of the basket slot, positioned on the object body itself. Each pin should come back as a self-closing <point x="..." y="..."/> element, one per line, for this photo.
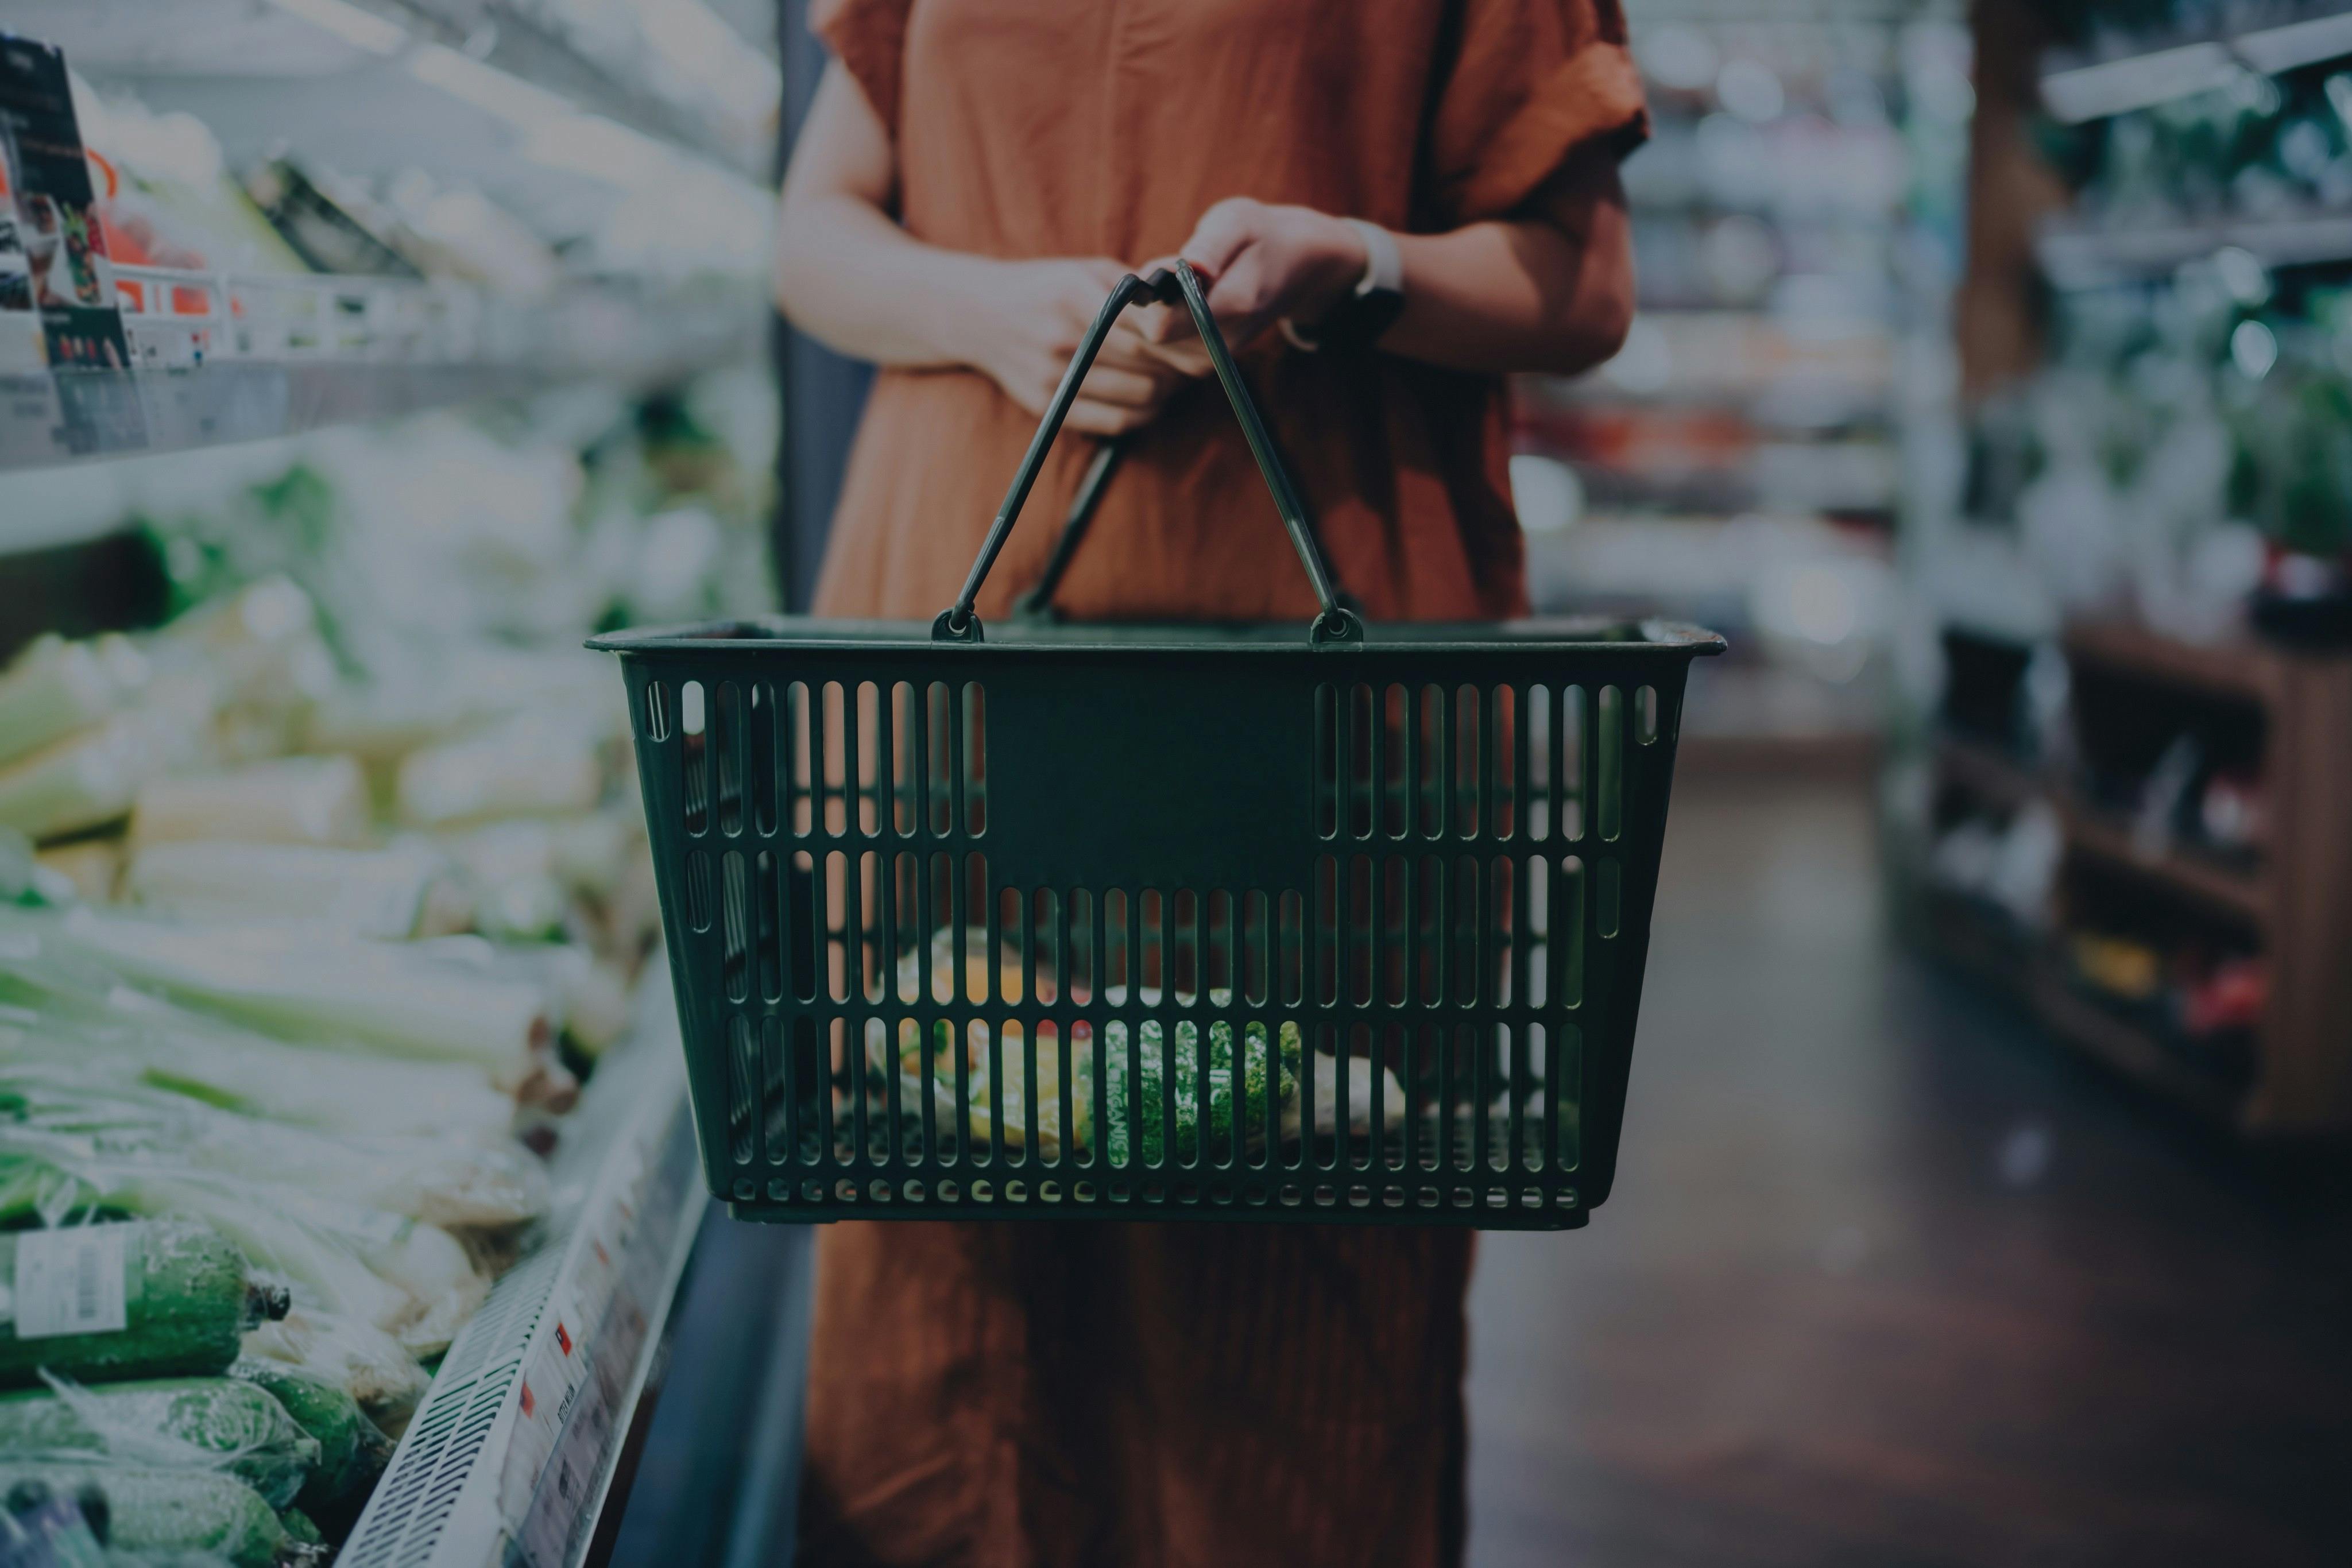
<point x="1568" y="763"/>
<point x="835" y="915"/>
<point x="974" y="739"/>
<point x="1255" y="969"/>
<point x="656" y="713"/>
<point x="795" y="753"/>
<point x="769" y="904"/>
<point x="1568" y="904"/>
<point x="735" y="925"/>
<point x="727" y="756"/>
<point x="828" y="725"/>
<point x="694" y="760"/>
<point x="864" y="704"/>
<point x="1610" y="762"/>
<point x="777" y="1142"/>
<point x="1468" y="778"/>
<point x="1497" y="779"/>
<point x="1428" y="738"/>
<point x="1540" y="774"/>
<point x="742" y="1069"/>
<point x="760" y="758"/>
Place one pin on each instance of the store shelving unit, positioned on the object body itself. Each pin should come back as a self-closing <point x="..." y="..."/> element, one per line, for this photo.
<point x="2295" y="902"/>
<point x="381" y="55"/>
<point x="520" y="1452"/>
<point x="2076" y="90"/>
<point x="331" y="351"/>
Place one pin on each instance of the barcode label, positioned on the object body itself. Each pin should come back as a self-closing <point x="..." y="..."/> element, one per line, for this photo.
<point x="70" y="1281"/>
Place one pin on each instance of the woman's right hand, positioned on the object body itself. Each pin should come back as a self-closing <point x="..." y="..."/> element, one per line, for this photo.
<point x="1028" y="318"/>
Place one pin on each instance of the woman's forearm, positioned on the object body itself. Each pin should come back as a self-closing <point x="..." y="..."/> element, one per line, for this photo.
<point x="847" y="273"/>
<point x="857" y="282"/>
<point x="1548" y="288"/>
<point x="1515" y="296"/>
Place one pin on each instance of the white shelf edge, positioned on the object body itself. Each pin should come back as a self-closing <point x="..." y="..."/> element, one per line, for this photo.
<point x="511" y="1457"/>
<point x="2077" y="94"/>
<point x="2083" y="257"/>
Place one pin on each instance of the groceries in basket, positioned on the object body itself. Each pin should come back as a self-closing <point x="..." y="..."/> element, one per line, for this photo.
<point x="1147" y="1091"/>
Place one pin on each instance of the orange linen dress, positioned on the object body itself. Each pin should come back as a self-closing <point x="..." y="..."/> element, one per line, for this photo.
<point x="1096" y="1393"/>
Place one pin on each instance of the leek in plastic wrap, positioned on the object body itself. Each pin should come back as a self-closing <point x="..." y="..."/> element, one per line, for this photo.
<point x="531" y="765"/>
<point x="340" y="891"/>
<point x="387" y="996"/>
<point x="411" y="1280"/>
<point x="116" y="1035"/>
<point x="91" y="778"/>
<point x="261" y="648"/>
<point x="91" y="867"/>
<point x="55" y="687"/>
<point x="291" y="799"/>
<point x="177" y="1423"/>
<point x="440" y="1180"/>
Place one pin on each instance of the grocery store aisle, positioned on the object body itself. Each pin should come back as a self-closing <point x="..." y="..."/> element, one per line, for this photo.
<point x="1887" y="1279"/>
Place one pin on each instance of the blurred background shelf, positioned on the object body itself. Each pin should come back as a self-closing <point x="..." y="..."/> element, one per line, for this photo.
<point x="2041" y="904"/>
<point x="2081" y="255"/>
<point x="2076" y="89"/>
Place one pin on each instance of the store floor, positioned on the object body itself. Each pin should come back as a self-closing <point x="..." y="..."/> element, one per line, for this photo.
<point x="1887" y="1280"/>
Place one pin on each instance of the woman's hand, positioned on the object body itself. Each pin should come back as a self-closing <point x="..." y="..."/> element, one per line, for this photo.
<point x="1264" y="263"/>
<point x="1028" y="318"/>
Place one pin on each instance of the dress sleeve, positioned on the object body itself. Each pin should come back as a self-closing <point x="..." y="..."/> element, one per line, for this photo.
<point x="870" y="37"/>
<point x="1531" y="83"/>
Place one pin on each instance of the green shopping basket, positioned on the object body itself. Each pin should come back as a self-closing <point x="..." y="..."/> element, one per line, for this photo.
<point x="1158" y="922"/>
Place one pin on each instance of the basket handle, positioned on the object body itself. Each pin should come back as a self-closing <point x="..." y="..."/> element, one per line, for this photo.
<point x="1335" y="623"/>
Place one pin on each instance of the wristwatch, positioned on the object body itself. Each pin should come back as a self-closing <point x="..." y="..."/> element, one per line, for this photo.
<point x="1372" y="309"/>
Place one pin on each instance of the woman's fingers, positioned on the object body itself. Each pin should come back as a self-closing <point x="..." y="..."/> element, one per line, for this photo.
<point x="1122" y="388"/>
<point x="1222" y="234"/>
<point x="1091" y="418"/>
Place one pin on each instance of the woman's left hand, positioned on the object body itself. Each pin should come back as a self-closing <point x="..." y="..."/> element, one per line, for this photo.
<point x="1263" y="263"/>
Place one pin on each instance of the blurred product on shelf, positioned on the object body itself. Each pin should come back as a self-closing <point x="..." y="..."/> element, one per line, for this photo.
<point x="1740" y="461"/>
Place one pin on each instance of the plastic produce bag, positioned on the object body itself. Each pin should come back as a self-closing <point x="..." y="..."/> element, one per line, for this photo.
<point x="182" y="1423"/>
<point x="360" y="1358"/>
<point x="290" y="801"/>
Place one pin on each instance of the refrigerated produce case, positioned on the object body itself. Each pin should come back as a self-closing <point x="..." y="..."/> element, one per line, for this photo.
<point x="352" y="242"/>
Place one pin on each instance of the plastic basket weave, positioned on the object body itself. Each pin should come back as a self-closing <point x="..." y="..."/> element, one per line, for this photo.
<point x="1173" y="922"/>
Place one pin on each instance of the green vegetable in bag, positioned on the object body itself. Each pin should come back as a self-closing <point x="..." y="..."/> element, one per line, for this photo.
<point x="210" y="1423"/>
<point x="156" y="1299"/>
<point x="351" y="1451"/>
<point x="150" y="1511"/>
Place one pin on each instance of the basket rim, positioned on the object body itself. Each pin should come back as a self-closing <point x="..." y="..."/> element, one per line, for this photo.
<point x="1540" y="635"/>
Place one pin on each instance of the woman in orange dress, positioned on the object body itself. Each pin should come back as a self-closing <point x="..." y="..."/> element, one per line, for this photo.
<point x="974" y="177"/>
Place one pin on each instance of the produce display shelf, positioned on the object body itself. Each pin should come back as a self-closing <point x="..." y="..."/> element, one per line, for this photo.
<point x="2076" y="92"/>
<point x="511" y="1457"/>
<point x="351" y="370"/>
<point x="518" y="44"/>
<point x="2090" y="255"/>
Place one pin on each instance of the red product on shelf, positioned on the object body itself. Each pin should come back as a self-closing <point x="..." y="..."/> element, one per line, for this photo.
<point x="2231" y="997"/>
